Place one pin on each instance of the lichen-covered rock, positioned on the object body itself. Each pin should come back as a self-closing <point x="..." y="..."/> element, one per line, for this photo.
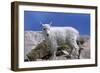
<point x="41" y="51"/>
<point x="61" y="49"/>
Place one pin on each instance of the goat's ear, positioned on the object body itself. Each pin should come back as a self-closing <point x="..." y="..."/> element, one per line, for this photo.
<point x="41" y="23"/>
<point x="50" y="23"/>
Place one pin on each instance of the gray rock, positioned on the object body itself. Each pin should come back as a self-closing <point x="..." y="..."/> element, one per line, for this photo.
<point x="31" y="40"/>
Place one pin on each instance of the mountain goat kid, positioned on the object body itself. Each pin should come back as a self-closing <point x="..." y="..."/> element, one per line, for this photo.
<point x="57" y="36"/>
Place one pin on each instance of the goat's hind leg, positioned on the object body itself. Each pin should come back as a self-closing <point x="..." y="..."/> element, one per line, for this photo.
<point x="75" y="50"/>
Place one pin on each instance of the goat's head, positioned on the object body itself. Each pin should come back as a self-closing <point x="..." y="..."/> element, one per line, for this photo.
<point x="46" y="29"/>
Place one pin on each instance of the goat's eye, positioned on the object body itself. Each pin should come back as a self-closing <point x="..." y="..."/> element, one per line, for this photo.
<point x="44" y="29"/>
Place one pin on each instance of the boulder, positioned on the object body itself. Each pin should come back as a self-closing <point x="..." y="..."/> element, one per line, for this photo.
<point x="41" y="51"/>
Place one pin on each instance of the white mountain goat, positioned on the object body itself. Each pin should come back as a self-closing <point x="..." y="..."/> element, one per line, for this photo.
<point x="57" y="36"/>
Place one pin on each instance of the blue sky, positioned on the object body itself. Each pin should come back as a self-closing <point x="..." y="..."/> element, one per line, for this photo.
<point x="79" y="21"/>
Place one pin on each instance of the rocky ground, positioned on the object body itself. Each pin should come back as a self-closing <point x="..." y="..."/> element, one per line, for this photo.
<point x="36" y="48"/>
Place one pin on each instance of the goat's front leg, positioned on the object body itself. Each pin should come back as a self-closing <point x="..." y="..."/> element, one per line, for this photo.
<point x="53" y="51"/>
<point x="53" y="57"/>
